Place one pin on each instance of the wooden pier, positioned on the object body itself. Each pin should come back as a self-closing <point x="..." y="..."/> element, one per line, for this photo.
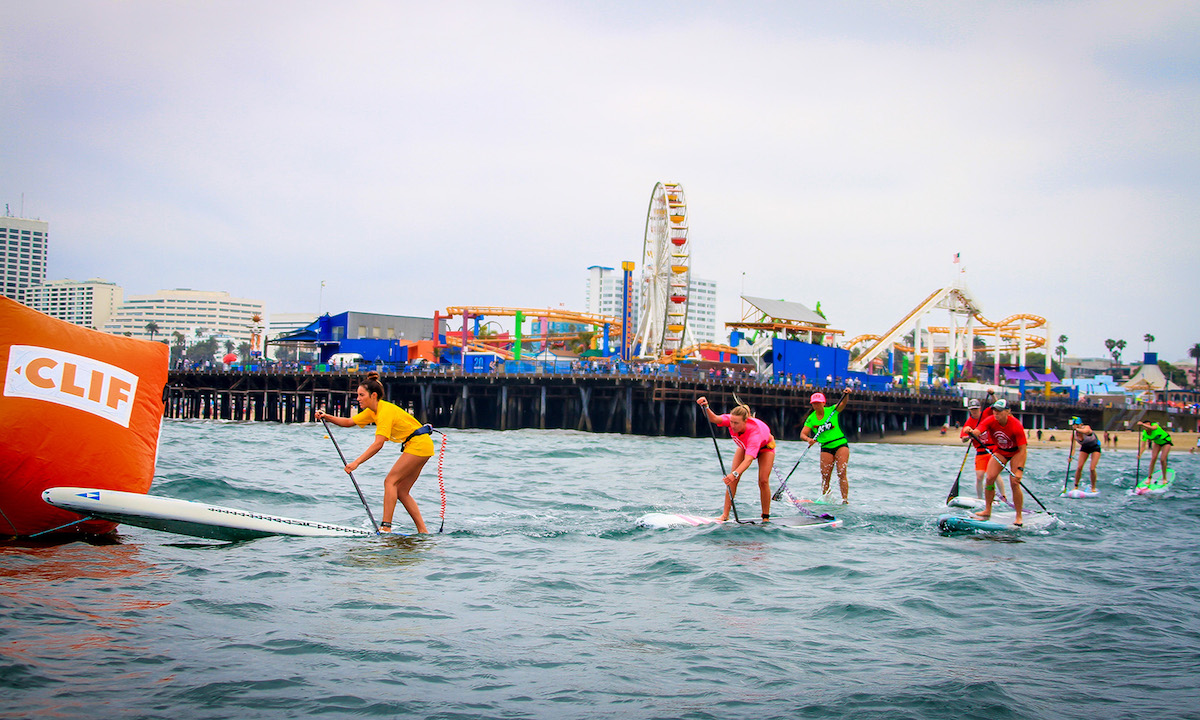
<point x="629" y="404"/>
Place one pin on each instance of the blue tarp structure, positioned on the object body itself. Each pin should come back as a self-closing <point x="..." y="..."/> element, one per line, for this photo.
<point x="1014" y="375"/>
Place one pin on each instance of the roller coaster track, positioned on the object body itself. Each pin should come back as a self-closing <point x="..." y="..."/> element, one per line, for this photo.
<point x="1009" y="328"/>
<point x="582" y="318"/>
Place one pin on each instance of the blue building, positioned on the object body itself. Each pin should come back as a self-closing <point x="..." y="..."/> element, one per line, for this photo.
<point x="375" y="337"/>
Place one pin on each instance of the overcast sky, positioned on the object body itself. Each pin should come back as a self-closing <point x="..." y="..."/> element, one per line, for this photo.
<point x="417" y="155"/>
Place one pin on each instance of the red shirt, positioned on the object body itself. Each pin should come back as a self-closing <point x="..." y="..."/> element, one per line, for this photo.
<point x="971" y="422"/>
<point x="1008" y="437"/>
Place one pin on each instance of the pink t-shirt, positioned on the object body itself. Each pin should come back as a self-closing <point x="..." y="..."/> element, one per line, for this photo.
<point x="755" y="437"/>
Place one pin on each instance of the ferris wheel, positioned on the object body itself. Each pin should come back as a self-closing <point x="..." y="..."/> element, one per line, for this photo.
<point x="662" y="327"/>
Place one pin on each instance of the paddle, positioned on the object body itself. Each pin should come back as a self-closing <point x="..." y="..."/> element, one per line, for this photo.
<point x="1070" y="456"/>
<point x="344" y="464"/>
<point x="1137" y="478"/>
<point x="1004" y="468"/>
<point x="779" y="493"/>
<point x="954" y="490"/>
<point x="728" y="490"/>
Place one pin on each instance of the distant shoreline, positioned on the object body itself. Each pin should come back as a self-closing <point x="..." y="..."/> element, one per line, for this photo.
<point x="1183" y="441"/>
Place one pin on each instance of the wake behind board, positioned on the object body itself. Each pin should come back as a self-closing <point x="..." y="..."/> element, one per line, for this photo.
<point x="660" y="521"/>
<point x="1078" y="493"/>
<point x="1158" y="487"/>
<point x="184" y="517"/>
<point x="1000" y="521"/>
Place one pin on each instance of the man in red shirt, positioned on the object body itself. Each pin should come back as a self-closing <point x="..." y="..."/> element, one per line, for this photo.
<point x="1008" y="436"/>
<point x="976" y="414"/>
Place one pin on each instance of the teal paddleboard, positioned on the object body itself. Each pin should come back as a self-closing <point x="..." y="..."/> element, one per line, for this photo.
<point x="1000" y="521"/>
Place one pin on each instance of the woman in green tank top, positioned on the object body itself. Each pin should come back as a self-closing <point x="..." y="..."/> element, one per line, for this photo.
<point x="1159" y="442"/>
<point x="824" y="426"/>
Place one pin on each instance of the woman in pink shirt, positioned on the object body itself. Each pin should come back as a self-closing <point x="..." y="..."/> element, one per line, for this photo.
<point x="754" y="441"/>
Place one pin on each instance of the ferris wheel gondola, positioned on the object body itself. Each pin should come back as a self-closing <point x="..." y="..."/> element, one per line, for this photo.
<point x="662" y="328"/>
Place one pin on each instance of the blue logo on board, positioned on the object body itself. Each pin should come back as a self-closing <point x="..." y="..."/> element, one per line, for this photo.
<point x="93" y="495"/>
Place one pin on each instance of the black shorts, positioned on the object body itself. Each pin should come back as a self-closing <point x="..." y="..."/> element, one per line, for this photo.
<point x="834" y="447"/>
<point x="1089" y="449"/>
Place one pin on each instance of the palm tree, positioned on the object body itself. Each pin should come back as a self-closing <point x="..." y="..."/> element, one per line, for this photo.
<point x="152" y="328"/>
<point x="1115" y="347"/>
<point x="1194" y="351"/>
<point x="1149" y="339"/>
<point x="1061" y="350"/>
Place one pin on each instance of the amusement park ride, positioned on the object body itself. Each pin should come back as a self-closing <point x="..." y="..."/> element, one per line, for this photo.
<point x="957" y="341"/>
<point x="662" y="334"/>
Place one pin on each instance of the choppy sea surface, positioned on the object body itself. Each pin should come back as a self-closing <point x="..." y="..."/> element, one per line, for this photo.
<point x="544" y="599"/>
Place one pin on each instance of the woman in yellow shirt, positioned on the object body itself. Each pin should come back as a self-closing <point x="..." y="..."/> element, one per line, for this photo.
<point x="391" y="423"/>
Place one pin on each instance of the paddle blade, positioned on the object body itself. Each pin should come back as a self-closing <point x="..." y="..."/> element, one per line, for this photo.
<point x="953" y="491"/>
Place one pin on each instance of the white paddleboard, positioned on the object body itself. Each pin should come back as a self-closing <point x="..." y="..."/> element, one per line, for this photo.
<point x="660" y="521"/>
<point x="973" y="504"/>
<point x="969" y="503"/>
<point x="1000" y="521"/>
<point x="1078" y="493"/>
<point x="184" y="517"/>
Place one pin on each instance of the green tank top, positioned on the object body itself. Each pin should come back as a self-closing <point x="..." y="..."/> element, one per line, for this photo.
<point x="1156" y="435"/>
<point x="826" y="430"/>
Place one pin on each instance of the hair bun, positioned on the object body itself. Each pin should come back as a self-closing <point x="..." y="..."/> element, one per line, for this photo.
<point x="373" y="375"/>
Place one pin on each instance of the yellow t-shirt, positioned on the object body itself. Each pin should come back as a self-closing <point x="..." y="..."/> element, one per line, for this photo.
<point x="395" y="425"/>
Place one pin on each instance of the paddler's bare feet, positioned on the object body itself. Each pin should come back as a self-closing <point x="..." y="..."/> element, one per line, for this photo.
<point x="982" y="515"/>
<point x="1018" y="522"/>
<point x="723" y="518"/>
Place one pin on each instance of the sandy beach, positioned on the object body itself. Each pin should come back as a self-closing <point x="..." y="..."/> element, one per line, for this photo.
<point x="1126" y="441"/>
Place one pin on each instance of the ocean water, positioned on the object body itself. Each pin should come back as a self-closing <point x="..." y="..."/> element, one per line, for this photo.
<point x="543" y="599"/>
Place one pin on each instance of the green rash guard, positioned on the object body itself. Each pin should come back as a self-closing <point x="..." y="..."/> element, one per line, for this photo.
<point x="826" y="430"/>
<point x="1156" y="435"/>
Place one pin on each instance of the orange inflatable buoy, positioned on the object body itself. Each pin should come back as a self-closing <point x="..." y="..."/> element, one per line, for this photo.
<point x="79" y="408"/>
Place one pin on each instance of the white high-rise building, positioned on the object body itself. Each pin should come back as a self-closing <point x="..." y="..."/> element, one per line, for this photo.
<point x="187" y="312"/>
<point x="604" y="288"/>
<point x="702" y="310"/>
<point x="24" y="245"/>
<point x="603" y="296"/>
<point x="89" y="303"/>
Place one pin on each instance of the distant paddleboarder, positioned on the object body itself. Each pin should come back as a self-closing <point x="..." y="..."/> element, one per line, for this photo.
<point x="754" y="442"/>
<point x="824" y="426"/>
<point x="394" y="424"/>
<point x="1089" y="447"/>
<point x="1159" y="442"/>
